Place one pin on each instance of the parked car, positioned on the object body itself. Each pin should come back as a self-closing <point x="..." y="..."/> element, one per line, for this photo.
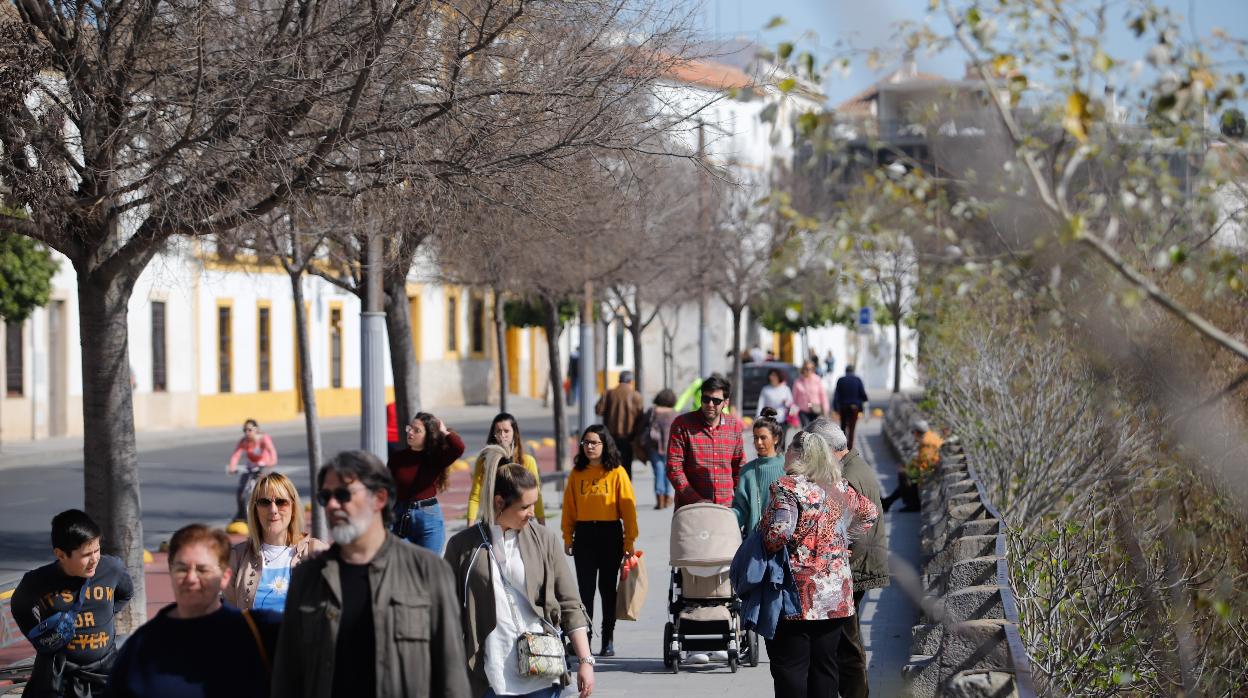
<point x="754" y="377"/>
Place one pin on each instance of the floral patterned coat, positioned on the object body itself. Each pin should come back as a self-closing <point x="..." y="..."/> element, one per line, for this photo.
<point x="817" y="526"/>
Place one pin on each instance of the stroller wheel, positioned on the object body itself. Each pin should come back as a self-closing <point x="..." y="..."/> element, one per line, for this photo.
<point x="755" y="649"/>
<point x="732" y="663"/>
<point x="675" y="667"/>
<point x="669" y="657"/>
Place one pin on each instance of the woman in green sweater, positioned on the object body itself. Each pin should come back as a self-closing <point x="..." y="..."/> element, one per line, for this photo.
<point x="754" y="487"/>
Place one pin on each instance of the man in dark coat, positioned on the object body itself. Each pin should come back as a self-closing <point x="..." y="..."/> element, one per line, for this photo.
<point x="849" y="400"/>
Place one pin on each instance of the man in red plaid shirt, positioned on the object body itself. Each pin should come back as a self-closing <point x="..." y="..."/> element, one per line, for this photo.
<point x="705" y="452"/>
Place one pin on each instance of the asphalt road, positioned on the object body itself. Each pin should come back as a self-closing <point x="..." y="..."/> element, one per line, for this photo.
<point x="183" y="478"/>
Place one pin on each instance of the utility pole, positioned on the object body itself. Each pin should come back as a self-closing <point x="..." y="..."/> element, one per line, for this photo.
<point x="585" y="407"/>
<point x="372" y="356"/>
<point x="704" y="299"/>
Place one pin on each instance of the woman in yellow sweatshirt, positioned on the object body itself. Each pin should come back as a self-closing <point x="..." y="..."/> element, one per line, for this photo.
<point x="505" y="432"/>
<point x="599" y="524"/>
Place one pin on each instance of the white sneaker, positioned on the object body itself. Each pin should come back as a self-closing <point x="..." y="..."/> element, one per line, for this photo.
<point x="699" y="658"/>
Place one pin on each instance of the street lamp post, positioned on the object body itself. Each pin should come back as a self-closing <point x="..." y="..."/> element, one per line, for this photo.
<point x="372" y="356"/>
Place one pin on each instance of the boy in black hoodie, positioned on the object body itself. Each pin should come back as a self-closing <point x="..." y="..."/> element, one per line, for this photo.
<point x="87" y="586"/>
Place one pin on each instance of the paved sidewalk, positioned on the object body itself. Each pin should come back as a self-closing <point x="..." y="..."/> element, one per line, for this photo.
<point x="638" y="669"/>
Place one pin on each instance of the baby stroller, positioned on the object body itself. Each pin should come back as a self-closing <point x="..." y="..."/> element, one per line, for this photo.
<point x="703" y="614"/>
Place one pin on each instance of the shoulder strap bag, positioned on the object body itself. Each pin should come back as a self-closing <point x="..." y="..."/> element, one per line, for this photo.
<point x="539" y="654"/>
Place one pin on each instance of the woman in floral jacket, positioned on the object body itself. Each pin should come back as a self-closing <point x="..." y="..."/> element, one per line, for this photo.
<point x="815" y="514"/>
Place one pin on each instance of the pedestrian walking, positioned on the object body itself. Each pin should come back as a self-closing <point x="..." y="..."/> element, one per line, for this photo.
<point x="621" y="408"/>
<point x="574" y="377"/>
<point x="849" y="399"/>
<point x="829" y="364"/>
<point x="421" y="471"/>
<point x="776" y="396"/>
<point x="260" y="453"/>
<point x="656" y="430"/>
<point x="815" y="515"/>
<point x="754" y="488"/>
<point x="512" y="580"/>
<point x="868" y="560"/>
<point x="599" y="524"/>
<point x="504" y="433"/>
<point x="179" y="652"/>
<point x="67" y="608"/>
<point x="260" y="566"/>
<point x="926" y="457"/>
<point x="705" y="452"/>
<point x="809" y="395"/>
<point x="373" y="615"/>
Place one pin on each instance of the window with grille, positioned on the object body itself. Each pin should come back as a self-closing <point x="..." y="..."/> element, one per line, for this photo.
<point x="452" y="324"/>
<point x="335" y="347"/>
<point x="263" y="354"/>
<point x="13" y="373"/>
<point x="225" y="358"/>
<point x="159" y="369"/>
<point x="477" y="325"/>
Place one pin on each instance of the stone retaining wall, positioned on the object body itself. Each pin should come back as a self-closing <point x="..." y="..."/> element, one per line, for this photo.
<point x="967" y="644"/>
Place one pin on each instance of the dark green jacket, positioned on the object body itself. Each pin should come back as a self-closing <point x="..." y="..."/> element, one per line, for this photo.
<point x="869" y="554"/>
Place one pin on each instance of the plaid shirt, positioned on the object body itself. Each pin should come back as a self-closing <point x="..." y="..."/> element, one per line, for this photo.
<point x="704" y="462"/>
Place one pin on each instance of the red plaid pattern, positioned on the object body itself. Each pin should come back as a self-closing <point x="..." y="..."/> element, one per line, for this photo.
<point x="704" y="462"/>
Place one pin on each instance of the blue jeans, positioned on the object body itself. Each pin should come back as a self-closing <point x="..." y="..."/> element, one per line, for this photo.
<point x="552" y="692"/>
<point x="662" y="486"/>
<point x="421" y="525"/>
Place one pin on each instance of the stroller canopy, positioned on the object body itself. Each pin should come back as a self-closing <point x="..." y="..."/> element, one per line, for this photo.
<point x="704" y="535"/>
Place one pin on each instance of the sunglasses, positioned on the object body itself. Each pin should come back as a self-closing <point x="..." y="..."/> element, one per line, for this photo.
<point x="342" y="494"/>
<point x="716" y="401"/>
<point x="280" y="502"/>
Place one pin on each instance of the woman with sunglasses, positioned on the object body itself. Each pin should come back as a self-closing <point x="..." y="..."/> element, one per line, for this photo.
<point x="275" y="544"/>
<point x="504" y="432"/>
<point x="421" y="471"/>
<point x="599" y="523"/>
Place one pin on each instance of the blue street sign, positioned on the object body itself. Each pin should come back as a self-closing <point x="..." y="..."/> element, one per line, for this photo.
<point x="864" y="317"/>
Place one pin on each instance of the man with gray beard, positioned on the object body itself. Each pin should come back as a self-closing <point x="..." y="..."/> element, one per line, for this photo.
<point x="374" y="615"/>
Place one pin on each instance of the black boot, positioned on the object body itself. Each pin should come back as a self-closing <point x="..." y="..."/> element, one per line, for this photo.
<point x="608" y="644"/>
<point x="888" y="501"/>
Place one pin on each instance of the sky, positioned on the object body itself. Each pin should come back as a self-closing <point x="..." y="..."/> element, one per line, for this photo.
<point x="868" y="24"/>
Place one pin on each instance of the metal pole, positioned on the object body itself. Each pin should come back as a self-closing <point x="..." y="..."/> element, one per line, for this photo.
<point x="704" y="335"/>
<point x="585" y="407"/>
<point x="704" y="300"/>
<point x="373" y="357"/>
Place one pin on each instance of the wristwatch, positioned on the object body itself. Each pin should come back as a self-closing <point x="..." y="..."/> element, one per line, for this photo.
<point x="587" y="660"/>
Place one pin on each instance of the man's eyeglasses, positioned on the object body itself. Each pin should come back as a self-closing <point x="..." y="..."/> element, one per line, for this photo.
<point x="716" y="401"/>
<point x="280" y="502"/>
<point x="342" y="494"/>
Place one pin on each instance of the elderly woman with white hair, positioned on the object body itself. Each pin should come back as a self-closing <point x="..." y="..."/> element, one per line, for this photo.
<point x="815" y="515"/>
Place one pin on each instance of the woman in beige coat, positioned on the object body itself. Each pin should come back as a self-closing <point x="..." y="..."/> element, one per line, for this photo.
<point x="495" y="612"/>
<point x="275" y="544"/>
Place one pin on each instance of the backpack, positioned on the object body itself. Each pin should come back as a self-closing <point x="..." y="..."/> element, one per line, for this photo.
<point x="651" y="432"/>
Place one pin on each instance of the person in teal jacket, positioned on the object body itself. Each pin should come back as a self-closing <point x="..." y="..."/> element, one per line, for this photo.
<point x="754" y="487"/>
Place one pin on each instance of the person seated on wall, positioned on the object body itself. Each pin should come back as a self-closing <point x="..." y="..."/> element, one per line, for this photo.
<point x="911" y="476"/>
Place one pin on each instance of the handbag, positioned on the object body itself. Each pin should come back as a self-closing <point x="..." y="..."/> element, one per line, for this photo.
<point x="57" y="630"/>
<point x="538" y="654"/>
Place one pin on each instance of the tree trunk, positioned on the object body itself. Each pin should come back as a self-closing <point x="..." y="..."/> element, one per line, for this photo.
<point x="500" y="341"/>
<point x="556" y="381"/>
<point x="403" y="364"/>
<point x="896" y="352"/>
<point x="738" y="389"/>
<point x="635" y="330"/>
<point x="312" y="425"/>
<point x="110" y="459"/>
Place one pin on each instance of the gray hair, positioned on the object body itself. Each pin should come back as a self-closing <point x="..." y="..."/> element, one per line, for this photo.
<point x="825" y="429"/>
<point x="921" y="425"/>
<point x="814" y="459"/>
